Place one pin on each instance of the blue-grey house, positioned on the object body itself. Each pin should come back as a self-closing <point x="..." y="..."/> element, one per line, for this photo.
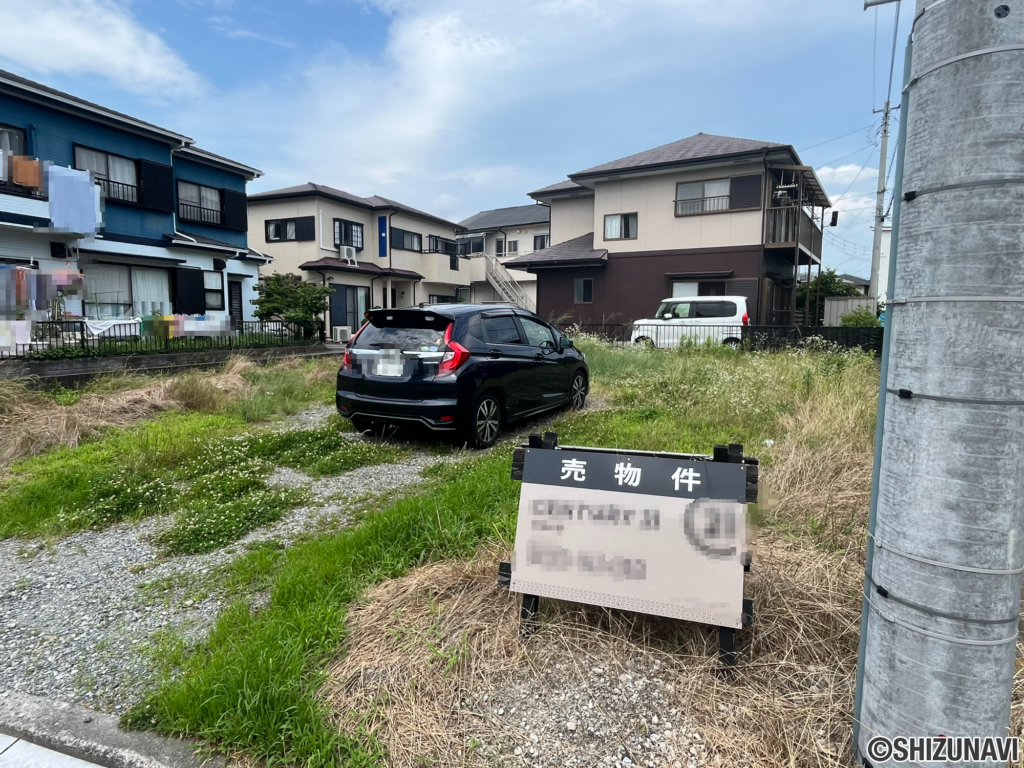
<point x="153" y="223"/>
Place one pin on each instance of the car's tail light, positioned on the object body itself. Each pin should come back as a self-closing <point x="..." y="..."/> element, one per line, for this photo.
<point x="746" y="319"/>
<point x="454" y="356"/>
<point x="346" y="361"/>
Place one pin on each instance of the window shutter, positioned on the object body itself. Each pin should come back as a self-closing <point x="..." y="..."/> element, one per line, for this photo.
<point x="305" y="228"/>
<point x="236" y="215"/>
<point x="189" y="292"/>
<point x="745" y="192"/>
<point x="157" y="183"/>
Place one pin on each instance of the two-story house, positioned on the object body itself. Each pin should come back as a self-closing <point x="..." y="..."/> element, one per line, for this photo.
<point x="492" y="238"/>
<point x="374" y="252"/>
<point x="707" y="215"/>
<point x="166" y="231"/>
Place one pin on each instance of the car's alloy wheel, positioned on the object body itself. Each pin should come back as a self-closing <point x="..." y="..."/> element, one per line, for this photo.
<point x="486" y="421"/>
<point x="578" y="392"/>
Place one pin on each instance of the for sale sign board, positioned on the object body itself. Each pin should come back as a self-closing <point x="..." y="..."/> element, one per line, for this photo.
<point x="657" y="535"/>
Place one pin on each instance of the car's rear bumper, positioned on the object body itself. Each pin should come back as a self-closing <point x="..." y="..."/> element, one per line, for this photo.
<point x="437" y="414"/>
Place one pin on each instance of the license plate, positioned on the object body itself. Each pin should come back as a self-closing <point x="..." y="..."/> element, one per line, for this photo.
<point x="389" y="369"/>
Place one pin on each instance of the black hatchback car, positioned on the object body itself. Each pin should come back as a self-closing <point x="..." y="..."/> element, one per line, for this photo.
<point x="464" y="368"/>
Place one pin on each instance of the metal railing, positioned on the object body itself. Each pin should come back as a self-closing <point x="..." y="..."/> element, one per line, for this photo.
<point x="191" y="212"/>
<point x="781" y="228"/>
<point x="699" y="205"/>
<point x="506" y="285"/>
<point x="9" y="187"/>
<point x="759" y="337"/>
<point x="59" y="339"/>
<point x="118" y="190"/>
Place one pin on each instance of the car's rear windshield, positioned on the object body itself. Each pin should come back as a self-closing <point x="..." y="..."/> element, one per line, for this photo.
<point x="405" y="331"/>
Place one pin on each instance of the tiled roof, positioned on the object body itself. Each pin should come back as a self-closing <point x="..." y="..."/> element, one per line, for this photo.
<point x="698" y="147"/>
<point x="854" y="280"/>
<point x="374" y="202"/>
<point x="508" y="217"/>
<point x="578" y="251"/>
<point x="362" y="267"/>
<point x="562" y="186"/>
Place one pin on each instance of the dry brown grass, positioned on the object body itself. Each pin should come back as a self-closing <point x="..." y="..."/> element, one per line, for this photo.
<point x="443" y="634"/>
<point x="30" y="423"/>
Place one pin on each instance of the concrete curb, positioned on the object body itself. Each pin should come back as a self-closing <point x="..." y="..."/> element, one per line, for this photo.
<point x="92" y="736"/>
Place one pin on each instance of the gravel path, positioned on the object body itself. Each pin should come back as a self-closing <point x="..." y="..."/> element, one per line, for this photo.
<point x="77" y="623"/>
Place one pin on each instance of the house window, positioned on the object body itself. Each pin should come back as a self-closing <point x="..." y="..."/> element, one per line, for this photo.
<point x="213" y="283"/>
<point x="199" y="203"/>
<point x="348" y="233"/>
<point x="280" y="229"/>
<point x="117" y="176"/>
<point x="438" y="299"/>
<point x="453" y="263"/>
<point x="499" y="247"/>
<point x="405" y="240"/>
<point x="540" y="242"/>
<point x="513" y="247"/>
<point x="620" y="226"/>
<point x="697" y="197"/>
<point x="12" y="144"/>
<point x="584" y="290"/>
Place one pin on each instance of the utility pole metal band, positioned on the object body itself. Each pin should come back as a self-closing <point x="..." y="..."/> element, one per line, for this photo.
<point x="963" y="57"/>
<point x="936" y="635"/>
<point x="950" y="566"/>
<point x="922" y="299"/>
<point x="906" y="394"/>
<point x="915" y="193"/>
<point x="931" y="612"/>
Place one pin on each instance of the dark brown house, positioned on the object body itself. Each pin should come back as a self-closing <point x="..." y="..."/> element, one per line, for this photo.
<point x="707" y="215"/>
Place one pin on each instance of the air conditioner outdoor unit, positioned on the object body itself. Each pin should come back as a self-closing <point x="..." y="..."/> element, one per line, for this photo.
<point x="347" y="253"/>
<point x="341" y="333"/>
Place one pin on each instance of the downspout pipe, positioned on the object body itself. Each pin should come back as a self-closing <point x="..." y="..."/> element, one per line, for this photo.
<point x="901" y="143"/>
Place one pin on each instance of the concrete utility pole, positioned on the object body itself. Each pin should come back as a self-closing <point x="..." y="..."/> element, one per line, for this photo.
<point x="876" y="249"/>
<point x="946" y="545"/>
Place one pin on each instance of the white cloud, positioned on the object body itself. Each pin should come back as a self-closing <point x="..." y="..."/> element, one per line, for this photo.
<point x="844" y="175"/>
<point x="94" y="37"/>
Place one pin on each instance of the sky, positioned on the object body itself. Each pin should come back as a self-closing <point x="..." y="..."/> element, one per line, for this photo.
<point x="458" y="106"/>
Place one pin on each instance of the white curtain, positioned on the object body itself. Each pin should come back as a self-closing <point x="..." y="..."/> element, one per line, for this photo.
<point x="107" y="290"/>
<point x="188" y="193"/>
<point x="5" y="153"/>
<point x="683" y="289"/>
<point x="91" y="160"/>
<point x="151" y="291"/>
<point x="716" y="195"/>
<point x="612" y="227"/>
<point x="210" y="198"/>
<point x="122" y="170"/>
<point x="290" y="235"/>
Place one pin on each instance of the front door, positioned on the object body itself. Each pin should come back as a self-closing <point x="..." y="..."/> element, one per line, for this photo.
<point x="235" y="303"/>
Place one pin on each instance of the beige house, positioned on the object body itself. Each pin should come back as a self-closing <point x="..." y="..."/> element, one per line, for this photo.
<point x="372" y="251"/>
<point x="492" y="238"/>
<point x="704" y="216"/>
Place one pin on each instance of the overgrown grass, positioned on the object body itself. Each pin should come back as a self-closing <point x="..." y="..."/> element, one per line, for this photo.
<point x="199" y="467"/>
<point x="251" y="686"/>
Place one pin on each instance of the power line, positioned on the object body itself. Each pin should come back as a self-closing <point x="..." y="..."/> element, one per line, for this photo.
<point x="859" y="149"/>
<point x="814" y="146"/>
<point x="859" y="172"/>
<point x="895" y="32"/>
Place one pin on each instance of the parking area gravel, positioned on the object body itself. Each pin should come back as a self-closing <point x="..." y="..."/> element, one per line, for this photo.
<point x="77" y="620"/>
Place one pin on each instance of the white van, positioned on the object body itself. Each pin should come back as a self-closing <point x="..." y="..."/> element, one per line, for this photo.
<point x="694" y="318"/>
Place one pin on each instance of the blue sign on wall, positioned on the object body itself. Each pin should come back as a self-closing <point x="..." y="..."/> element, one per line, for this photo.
<point x="382" y="236"/>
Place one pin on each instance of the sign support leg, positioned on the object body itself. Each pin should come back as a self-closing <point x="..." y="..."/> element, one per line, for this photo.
<point x="528" y="616"/>
<point x="727" y="646"/>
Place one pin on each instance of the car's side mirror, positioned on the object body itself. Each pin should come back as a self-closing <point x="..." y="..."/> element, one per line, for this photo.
<point x="564" y="342"/>
<point x="668" y="316"/>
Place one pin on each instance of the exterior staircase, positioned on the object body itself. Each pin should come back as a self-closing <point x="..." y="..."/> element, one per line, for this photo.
<point x="506" y="285"/>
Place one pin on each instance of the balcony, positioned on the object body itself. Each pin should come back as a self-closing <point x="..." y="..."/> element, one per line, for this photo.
<point x="119" y="191"/>
<point x="197" y="213"/>
<point x="700" y="205"/>
<point x="782" y="225"/>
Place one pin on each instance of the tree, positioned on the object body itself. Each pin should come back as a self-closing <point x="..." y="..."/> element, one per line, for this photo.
<point x="290" y="298"/>
<point x="861" y="317"/>
<point x="831" y="285"/>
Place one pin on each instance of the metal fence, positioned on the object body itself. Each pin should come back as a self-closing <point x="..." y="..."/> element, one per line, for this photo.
<point x="666" y="336"/>
<point x="60" y="339"/>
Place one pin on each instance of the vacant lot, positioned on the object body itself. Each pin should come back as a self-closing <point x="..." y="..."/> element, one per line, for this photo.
<point x="295" y="594"/>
